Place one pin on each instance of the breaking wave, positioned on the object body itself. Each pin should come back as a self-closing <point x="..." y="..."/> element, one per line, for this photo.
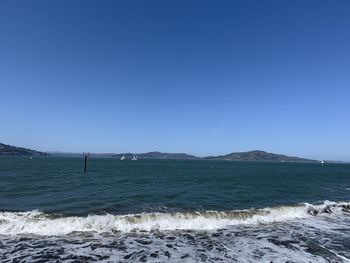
<point x="39" y="223"/>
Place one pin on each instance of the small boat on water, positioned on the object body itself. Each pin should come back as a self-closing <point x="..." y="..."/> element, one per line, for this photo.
<point x="134" y="158"/>
<point x="322" y="162"/>
<point x="123" y="158"/>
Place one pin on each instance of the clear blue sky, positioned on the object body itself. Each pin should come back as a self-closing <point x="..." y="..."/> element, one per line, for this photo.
<point x="202" y="77"/>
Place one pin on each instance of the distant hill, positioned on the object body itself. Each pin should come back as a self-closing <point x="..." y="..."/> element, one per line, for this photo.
<point x="160" y="155"/>
<point x="12" y="150"/>
<point x="258" y="156"/>
<point x="149" y="155"/>
<point x="236" y="156"/>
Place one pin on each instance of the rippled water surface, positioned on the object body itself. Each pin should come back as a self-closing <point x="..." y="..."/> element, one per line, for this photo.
<point x="172" y="211"/>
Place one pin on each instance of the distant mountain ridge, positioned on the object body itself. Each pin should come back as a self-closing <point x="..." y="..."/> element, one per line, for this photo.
<point x="255" y="155"/>
<point x="13" y="150"/>
<point x="159" y="155"/>
<point x="258" y="155"/>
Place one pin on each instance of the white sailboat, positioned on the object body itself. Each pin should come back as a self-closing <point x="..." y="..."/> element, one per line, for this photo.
<point x="123" y="158"/>
<point x="322" y="162"/>
<point x="134" y="158"/>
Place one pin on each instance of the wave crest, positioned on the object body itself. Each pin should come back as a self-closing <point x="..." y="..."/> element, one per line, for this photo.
<point x="39" y="223"/>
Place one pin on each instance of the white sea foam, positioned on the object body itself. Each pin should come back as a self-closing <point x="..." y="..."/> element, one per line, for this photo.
<point x="38" y="223"/>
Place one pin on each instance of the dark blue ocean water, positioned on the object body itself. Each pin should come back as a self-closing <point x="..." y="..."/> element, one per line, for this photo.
<point x="114" y="186"/>
<point x="172" y="211"/>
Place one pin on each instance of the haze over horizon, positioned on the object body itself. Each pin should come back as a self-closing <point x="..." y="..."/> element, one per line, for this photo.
<point x="201" y="78"/>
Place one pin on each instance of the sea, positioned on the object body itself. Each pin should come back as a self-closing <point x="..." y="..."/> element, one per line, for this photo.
<point x="172" y="211"/>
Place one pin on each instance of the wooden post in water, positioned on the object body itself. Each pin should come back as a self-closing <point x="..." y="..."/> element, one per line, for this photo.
<point x="85" y="161"/>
